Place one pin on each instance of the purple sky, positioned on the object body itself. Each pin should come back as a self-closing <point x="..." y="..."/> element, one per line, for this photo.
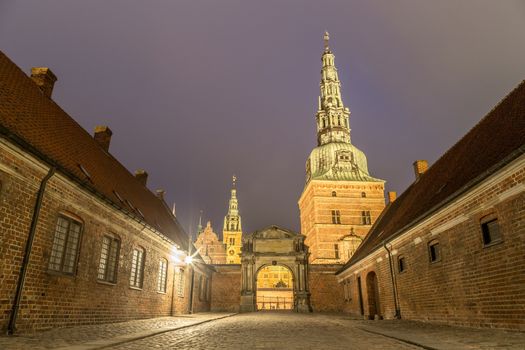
<point x="195" y="91"/>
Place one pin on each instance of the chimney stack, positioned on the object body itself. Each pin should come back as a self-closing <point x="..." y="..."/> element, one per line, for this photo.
<point x="142" y="176"/>
<point x="160" y="193"/>
<point x="103" y="136"/>
<point x="392" y="196"/>
<point x="44" y="79"/>
<point x="420" y="166"/>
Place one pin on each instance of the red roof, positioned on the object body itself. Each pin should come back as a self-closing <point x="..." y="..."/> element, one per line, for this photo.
<point x="495" y="141"/>
<point x="44" y="129"/>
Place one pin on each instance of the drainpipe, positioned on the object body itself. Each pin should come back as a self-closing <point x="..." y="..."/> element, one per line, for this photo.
<point x="27" y="254"/>
<point x="394" y="285"/>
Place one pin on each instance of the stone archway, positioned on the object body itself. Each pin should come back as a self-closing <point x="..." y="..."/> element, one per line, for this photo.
<point x="274" y="287"/>
<point x="274" y="246"/>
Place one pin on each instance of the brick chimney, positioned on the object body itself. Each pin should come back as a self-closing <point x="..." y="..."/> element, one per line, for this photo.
<point x="103" y="136"/>
<point x="392" y="196"/>
<point x="420" y="166"/>
<point x="160" y="193"/>
<point x="142" y="176"/>
<point x="44" y="79"/>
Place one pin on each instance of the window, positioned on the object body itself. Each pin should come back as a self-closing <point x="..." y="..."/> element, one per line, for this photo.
<point x="179" y="278"/>
<point x="163" y="272"/>
<point x="490" y="231"/>
<point x="336" y="217"/>
<point x="336" y="251"/>
<point x="401" y="264"/>
<point x="66" y="242"/>
<point x="363" y="194"/>
<point x="365" y="217"/>
<point x="232" y="241"/>
<point x="137" y="268"/>
<point x="434" y="251"/>
<point x="107" y="267"/>
<point x="334" y="194"/>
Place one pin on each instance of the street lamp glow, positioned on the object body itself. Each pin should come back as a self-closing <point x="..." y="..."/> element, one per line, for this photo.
<point x="188" y="259"/>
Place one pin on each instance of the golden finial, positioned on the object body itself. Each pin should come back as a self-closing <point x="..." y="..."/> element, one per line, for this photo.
<point x="326" y="38"/>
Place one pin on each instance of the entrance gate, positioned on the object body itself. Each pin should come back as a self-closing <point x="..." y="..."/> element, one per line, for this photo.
<point x="274" y="247"/>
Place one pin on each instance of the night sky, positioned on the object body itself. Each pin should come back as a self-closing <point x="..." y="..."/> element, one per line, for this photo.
<point x="195" y="91"/>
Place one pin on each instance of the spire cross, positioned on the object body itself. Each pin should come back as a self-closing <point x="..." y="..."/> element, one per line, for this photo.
<point x="326" y="38"/>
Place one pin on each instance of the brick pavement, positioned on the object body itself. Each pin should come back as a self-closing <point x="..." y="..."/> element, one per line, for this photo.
<point x="267" y="330"/>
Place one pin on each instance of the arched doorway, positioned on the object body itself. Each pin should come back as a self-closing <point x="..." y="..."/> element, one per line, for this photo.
<point x="372" y="291"/>
<point x="274" y="288"/>
<point x="274" y="250"/>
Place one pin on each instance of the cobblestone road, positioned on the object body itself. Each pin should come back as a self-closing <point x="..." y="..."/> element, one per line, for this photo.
<point x="270" y="331"/>
<point x="266" y="330"/>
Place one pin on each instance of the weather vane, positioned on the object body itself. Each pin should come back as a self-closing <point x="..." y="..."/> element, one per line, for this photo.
<point x="326" y="38"/>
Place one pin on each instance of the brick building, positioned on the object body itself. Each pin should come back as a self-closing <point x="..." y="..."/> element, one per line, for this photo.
<point x="210" y="248"/>
<point x="451" y="248"/>
<point x="340" y="200"/>
<point x="82" y="240"/>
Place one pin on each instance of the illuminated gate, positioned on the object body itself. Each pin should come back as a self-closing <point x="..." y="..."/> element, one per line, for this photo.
<point x="274" y="265"/>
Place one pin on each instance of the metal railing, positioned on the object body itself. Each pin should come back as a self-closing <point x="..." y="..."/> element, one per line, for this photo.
<point x="274" y="303"/>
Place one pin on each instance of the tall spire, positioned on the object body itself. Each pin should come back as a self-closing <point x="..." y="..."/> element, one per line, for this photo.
<point x="232" y="221"/>
<point x="199" y="227"/>
<point x="332" y="116"/>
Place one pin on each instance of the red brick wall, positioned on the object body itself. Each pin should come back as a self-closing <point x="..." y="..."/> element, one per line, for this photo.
<point x="472" y="285"/>
<point x="326" y="292"/>
<point x="52" y="299"/>
<point x="226" y="288"/>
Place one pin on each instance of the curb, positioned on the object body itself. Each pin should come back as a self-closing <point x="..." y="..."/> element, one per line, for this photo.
<point x="106" y="343"/>
<point x="399" y="339"/>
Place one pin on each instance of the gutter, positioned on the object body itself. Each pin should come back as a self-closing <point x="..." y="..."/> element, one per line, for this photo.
<point x="27" y="254"/>
<point x="394" y="282"/>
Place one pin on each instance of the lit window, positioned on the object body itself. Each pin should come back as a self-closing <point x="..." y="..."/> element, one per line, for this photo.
<point x="336" y="217"/>
<point x="434" y="251"/>
<point x="365" y="217"/>
<point x="65" y="245"/>
<point x="137" y="268"/>
<point x="491" y="232"/>
<point x="107" y="266"/>
<point x="163" y="272"/>
<point x="401" y="264"/>
<point x="179" y="278"/>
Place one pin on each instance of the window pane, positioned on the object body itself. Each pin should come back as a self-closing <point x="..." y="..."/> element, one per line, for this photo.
<point x="103" y="258"/>
<point x="111" y="269"/>
<point x="59" y="243"/>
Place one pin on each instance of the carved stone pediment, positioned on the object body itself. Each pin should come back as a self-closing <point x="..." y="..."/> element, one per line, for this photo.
<point x="274" y="232"/>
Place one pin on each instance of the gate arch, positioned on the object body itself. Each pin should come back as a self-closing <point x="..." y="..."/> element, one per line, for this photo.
<point x="273" y="246"/>
<point x="274" y="287"/>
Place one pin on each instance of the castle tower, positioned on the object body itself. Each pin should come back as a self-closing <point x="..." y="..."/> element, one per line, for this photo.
<point x="340" y="200"/>
<point x="232" y="229"/>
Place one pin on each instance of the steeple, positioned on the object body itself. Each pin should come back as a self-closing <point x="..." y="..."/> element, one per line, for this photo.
<point x="199" y="227"/>
<point x="232" y="221"/>
<point x="332" y="116"/>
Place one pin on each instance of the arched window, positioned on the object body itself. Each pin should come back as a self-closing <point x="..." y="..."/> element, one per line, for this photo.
<point x="363" y="194"/>
<point x="137" y="267"/>
<point x="334" y="194"/>
<point x="64" y="253"/>
<point x="163" y="273"/>
<point x="108" y="264"/>
<point x="365" y="217"/>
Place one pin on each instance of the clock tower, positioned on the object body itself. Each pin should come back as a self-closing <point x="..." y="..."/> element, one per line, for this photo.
<point x="232" y="229"/>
